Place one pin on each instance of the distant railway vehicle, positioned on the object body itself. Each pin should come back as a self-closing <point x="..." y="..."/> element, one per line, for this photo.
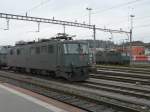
<point x="111" y="57"/>
<point x="3" y="56"/>
<point x="60" y="56"/>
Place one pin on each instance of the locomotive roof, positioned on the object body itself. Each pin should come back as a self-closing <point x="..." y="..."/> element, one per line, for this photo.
<point x="50" y="41"/>
<point x="4" y="49"/>
<point x="60" y="38"/>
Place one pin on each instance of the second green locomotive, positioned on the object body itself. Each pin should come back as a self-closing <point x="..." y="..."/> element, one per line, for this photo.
<point x="111" y="57"/>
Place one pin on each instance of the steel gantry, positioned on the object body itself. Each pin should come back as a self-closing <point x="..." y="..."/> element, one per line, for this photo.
<point x="59" y="22"/>
<point x="44" y="20"/>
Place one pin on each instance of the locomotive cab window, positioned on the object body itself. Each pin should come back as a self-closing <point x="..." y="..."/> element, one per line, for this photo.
<point x="84" y="49"/>
<point x="75" y="48"/>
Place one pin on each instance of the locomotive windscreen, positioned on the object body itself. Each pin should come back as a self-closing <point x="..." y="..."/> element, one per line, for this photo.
<point x="75" y="48"/>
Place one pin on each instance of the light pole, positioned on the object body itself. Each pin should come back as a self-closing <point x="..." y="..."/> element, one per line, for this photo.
<point x="111" y="40"/>
<point x="131" y="33"/>
<point x="94" y="36"/>
<point x="89" y="9"/>
<point x="124" y="41"/>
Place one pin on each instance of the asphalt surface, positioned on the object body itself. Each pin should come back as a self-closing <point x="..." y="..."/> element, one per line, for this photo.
<point x="14" y="101"/>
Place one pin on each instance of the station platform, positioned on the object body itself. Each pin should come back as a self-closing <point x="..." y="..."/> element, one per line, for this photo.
<point x="15" y="99"/>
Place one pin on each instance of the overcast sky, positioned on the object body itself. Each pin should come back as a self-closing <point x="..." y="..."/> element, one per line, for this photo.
<point x="106" y="13"/>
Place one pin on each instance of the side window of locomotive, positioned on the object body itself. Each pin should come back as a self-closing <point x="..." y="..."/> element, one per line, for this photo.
<point x="11" y="52"/>
<point x="59" y="49"/>
<point x="37" y="50"/>
<point x="18" y="52"/>
<point x="32" y="50"/>
<point x="50" y="49"/>
<point x="44" y="49"/>
<point x="23" y="52"/>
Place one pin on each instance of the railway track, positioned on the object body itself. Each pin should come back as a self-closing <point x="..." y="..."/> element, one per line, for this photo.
<point x="87" y="95"/>
<point x="126" y="79"/>
<point x="122" y="76"/>
<point x="122" y="88"/>
<point x="125" y="74"/>
<point x="126" y="69"/>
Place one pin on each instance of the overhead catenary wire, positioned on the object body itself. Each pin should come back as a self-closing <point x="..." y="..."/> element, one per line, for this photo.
<point x="38" y="5"/>
<point x="141" y="18"/>
<point x="60" y="22"/>
<point x="114" y="7"/>
<point x="117" y="6"/>
<point x="125" y="21"/>
<point x="142" y="26"/>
